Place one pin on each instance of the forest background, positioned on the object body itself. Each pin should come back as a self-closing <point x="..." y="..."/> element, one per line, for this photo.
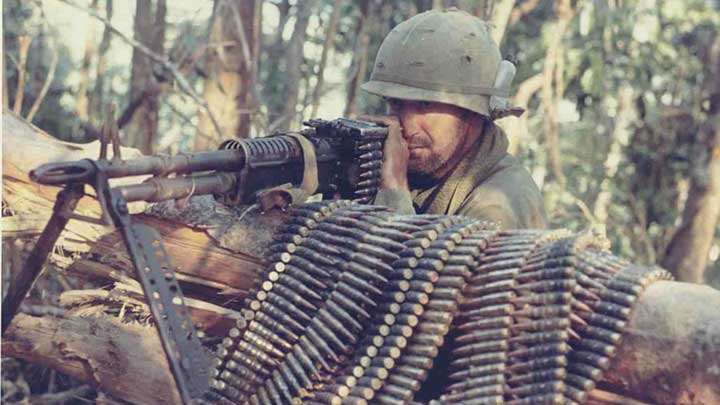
<point x="622" y="129"/>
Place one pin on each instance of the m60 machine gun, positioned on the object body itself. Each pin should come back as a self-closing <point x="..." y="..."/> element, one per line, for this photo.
<point x="339" y="158"/>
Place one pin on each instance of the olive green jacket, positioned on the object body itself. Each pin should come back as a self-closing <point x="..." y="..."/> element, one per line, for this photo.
<point x="487" y="184"/>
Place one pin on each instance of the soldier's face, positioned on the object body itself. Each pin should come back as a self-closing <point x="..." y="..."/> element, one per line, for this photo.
<point x="435" y="133"/>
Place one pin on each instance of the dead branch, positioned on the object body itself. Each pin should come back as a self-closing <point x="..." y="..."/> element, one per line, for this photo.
<point x="45" y="87"/>
<point x="23" y="47"/>
<point x="164" y="61"/>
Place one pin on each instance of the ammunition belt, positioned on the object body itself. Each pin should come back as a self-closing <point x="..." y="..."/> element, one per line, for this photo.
<point x="357" y="303"/>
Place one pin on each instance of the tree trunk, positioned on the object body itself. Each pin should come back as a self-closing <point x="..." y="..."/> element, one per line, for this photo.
<point x="149" y="29"/>
<point x="518" y="129"/>
<point x="329" y="43"/>
<point x="619" y="138"/>
<point x="293" y="61"/>
<point x="687" y="254"/>
<point x="229" y="81"/>
<point x="552" y="89"/>
<point x="97" y="100"/>
<point x="82" y="104"/>
<point x="666" y="356"/>
<point x="214" y="252"/>
<point x="360" y="58"/>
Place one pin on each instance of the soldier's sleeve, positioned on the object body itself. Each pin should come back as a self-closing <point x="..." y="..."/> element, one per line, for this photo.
<point x="509" y="208"/>
<point x="397" y="199"/>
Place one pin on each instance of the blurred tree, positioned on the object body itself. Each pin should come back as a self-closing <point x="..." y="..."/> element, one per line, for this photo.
<point x="327" y="45"/>
<point x="687" y="253"/>
<point x="230" y="67"/>
<point x="98" y="97"/>
<point x="149" y="29"/>
<point x="82" y="104"/>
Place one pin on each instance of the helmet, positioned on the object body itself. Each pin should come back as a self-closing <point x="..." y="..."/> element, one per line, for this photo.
<point x="446" y="56"/>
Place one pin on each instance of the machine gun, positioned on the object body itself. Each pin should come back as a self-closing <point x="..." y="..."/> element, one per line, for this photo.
<point x="339" y="158"/>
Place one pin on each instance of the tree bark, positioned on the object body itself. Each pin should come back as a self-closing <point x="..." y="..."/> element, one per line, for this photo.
<point x="214" y="251"/>
<point x="82" y="104"/>
<point x="227" y="88"/>
<point x="619" y="138"/>
<point x="149" y="29"/>
<point x="293" y="60"/>
<point x="328" y="43"/>
<point x="360" y="58"/>
<point x="552" y="89"/>
<point x="687" y="254"/>
<point x="97" y="100"/>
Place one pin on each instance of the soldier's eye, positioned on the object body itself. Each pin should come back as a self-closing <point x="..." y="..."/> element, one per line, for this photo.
<point x="425" y="105"/>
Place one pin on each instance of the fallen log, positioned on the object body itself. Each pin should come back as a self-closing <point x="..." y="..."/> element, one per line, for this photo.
<point x="670" y="354"/>
<point x="218" y="249"/>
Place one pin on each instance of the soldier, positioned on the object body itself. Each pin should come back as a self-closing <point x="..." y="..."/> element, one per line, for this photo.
<point x="445" y="83"/>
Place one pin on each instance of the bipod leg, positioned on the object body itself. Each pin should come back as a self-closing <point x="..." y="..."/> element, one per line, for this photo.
<point x="65" y="204"/>
<point x="187" y="359"/>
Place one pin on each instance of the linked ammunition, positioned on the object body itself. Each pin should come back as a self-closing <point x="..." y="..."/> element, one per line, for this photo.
<point x="537" y="388"/>
<point x="539" y="337"/>
<point x="417" y="374"/>
<point x="596" y="360"/>
<point x="547" y="311"/>
<point x="585" y="370"/>
<point x="485" y="324"/>
<point x="385" y="399"/>
<point x="610" y="309"/>
<point x="483" y="336"/>
<point x="345" y="302"/>
<point x="423" y="350"/>
<point x="477" y="382"/>
<point x="402" y="381"/>
<point x="476" y="360"/>
<point x="419" y="297"/>
<point x="355" y="291"/>
<point x="489" y="299"/>
<point x="469" y="395"/>
<point x="281" y="390"/>
<point x="262" y="344"/>
<point x="451" y="282"/>
<point x="555" y="374"/>
<point x="431" y="264"/>
<point x="481" y="347"/>
<point x="363" y="392"/>
<point x="297" y="370"/>
<point x="397" y="391"/>
<point x="538" y="364"/>
<point x="322" y="345"/>
<point x="294" y="277"/>
<point x="337" y="326"/>
<point x="377" y="372"/>
<point x="390" y="351"/>
<point x="408" y="319"/>
<point x="481" y="371"/>
<point x="342" y="315"/>
<point x="401" y="330"/>
<point x="281" y="309"/>
<point x="309" y="267"/>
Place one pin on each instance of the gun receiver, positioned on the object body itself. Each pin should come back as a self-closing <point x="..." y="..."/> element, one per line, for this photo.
<point x="336" y="158"/>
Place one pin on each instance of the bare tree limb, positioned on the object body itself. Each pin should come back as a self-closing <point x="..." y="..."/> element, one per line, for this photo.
<point x="23" y="47"/>
<point x="185" y="86"/>
<point x="46" y="86"/>
<point x="329" y="38"/>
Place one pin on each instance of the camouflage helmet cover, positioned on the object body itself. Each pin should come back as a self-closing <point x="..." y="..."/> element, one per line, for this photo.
<point x="446" y="56"/>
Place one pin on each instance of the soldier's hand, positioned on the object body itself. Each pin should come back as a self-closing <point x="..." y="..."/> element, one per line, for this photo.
<point x="396" y="153"/>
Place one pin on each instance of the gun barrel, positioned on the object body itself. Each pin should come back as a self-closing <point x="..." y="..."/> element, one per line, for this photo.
<point x="84" y="171"/>
<point x="160" y="189"/>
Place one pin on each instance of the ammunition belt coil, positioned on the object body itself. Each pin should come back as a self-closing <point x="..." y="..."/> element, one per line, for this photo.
<point x="357" y="303"/>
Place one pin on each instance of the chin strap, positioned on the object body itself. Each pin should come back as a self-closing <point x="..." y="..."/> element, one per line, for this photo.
<point x="500" y="106"/>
